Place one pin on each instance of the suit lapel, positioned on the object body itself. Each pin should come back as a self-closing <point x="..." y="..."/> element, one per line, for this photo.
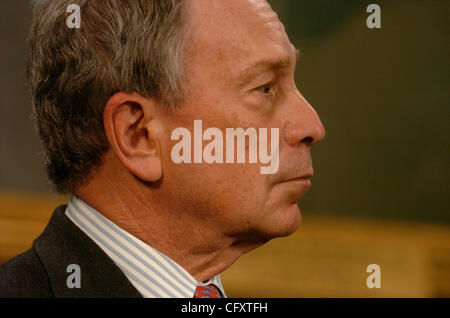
<point x="62" y="243"/>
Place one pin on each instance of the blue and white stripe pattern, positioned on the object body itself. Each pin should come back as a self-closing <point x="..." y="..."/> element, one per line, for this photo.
<point x="152" y="273"/>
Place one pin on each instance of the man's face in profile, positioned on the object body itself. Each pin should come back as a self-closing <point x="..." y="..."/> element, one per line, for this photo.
<point x="240" y="65"/>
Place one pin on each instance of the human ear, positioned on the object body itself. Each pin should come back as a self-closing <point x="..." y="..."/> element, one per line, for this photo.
<point x="130" y="126"/>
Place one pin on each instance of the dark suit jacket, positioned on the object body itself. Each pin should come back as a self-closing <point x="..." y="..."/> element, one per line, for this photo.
<point x="41" y="271"/>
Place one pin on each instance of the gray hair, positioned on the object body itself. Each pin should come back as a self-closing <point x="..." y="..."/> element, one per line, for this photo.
<point x="122" y="45"/>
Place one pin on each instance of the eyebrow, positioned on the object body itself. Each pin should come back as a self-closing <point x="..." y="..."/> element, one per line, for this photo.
<point x="266" y="65"/>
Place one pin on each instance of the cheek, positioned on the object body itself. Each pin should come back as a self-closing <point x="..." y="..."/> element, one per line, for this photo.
<point x="231" y="192"/>
<point x="243" y="184"/>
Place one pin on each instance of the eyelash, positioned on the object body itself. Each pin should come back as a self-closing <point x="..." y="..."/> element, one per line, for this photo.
<point x="269" y="86"/>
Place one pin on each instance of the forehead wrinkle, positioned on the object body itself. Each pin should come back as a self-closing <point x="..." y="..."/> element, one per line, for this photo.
<point x="267" y="65"/>
<point x="258" y="38"/>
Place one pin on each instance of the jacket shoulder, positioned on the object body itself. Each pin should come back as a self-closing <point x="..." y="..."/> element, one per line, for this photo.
<point x="24" y="276"/>
<point x="41" y="272"/>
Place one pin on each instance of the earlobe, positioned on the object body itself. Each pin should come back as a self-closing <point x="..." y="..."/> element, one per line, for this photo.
<point x="129" y="126"/>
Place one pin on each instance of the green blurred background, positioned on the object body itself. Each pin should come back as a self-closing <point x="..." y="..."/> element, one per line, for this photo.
<point x="383" y="95"/>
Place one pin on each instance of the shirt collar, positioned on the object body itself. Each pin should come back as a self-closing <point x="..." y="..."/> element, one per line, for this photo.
<point x="152" y="273"/>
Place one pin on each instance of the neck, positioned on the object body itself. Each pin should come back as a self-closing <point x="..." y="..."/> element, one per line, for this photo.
<point x="193" y="243"/>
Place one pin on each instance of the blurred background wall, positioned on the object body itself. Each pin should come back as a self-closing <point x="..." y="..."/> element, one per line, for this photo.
<point x="381" y="189"/>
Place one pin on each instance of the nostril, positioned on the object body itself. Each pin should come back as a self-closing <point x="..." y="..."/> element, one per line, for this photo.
<point x="308" y="140"/>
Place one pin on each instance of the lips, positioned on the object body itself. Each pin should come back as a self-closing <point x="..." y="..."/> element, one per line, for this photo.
<point x="294" y="188"/>
<point x="293" y="191"/>
<point x="305" y="181"/>
<point x="300" y="178"/>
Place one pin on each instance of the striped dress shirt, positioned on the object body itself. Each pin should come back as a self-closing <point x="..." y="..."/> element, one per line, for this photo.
<point x="152" y="273"/>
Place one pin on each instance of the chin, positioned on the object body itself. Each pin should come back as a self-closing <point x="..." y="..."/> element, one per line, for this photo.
<point x="282" y="222"/>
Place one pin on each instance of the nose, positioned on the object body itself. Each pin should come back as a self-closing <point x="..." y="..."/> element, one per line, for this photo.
<point x="304" y="125"/>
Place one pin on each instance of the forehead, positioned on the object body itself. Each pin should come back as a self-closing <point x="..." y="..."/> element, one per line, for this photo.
<point x="235" y="33"/>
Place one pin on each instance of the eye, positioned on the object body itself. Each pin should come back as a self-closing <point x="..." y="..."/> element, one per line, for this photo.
<point x="268" y="89"/>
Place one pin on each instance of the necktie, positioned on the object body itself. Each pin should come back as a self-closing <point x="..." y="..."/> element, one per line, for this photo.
<point x="209" y="291"/>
